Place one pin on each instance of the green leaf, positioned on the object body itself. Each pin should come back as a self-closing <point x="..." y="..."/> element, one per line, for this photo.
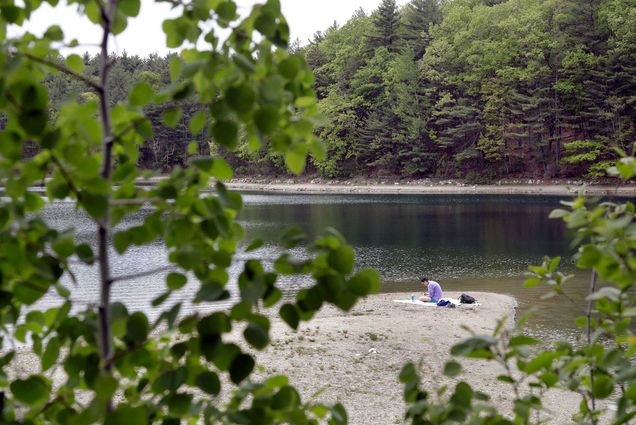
<point x="256" y="336"/>
<point x="290" y="315"/>
<point x="470" y="345"/>
<point x="54" y="33"/>
<point x="221" y="170"/>
<point x="208" y="382"/>
<point x="241" y="367"/>
<point x="226" y="10"/>
<point x="293" y="237"/>
<point x="156" y="302"/>
<point x="32" y="391"/>
<point x="265" y="23"/>
<point x="365" y="282"/>
<point x="463" y="395"/>
<point x="603" y="386"/>
<point x="558" y="213"/>
<point x="197" y="122"/>
<point x="589" y="257"/>
<point x="256" y="244"/>
<point x="341" y="259"/>
<point x="95" y="205"/>
<point x="176" y="280"/>
<point x="531" y="282"/>
<point x="105" y="386"/>
<point x="452" y="369"/>
<point x="285" y="399"/>
<point x="518" y="340"/>
<point x="11" y="14"/>
<point x="214" y="324"/>
<point x="172" y="117"/>
<point x="51" y="353"/>
<point x="290" y="67"/>
<point x="33" y="121"/>
<point x="141" y="94"/>
<point x="338" y="415"/>
<point x="127" y="415"/>
<point x="626" y="167"/>
<point x="241" y="98"/>
<point x="505" y="378"/>
<point x="203" y="163"/>
<point x="129" y="7"/>
<point x="121" y="241"/>
<point x="64" y="247"/>
<point x="137" y="328"/>
<point x="549" y="378"/>
<point x="543" y="360"/>
<point x="175" y="67"/>
<point x="225" y="133"/>
<point x="75" y="63"/>
<point x="266" y="119"/>
<point x="295" y="160"/>
<point x="170" y="380"/>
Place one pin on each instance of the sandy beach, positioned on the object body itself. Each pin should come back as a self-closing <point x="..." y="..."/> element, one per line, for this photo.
<point x="355" y="358"/>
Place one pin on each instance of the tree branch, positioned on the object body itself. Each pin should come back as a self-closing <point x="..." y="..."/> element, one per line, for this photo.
<point x="133" y="201"/>
<point x="588" y="316"/>
<point x="141" y="274"/>
<point x="89" y="82"/>
<point x="65" y="175"/>
<point x="104" y="226"/>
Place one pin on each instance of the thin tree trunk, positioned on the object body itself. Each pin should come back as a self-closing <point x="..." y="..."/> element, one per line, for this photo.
<point x="105" y="338"/>
<point x="588" y="316"/>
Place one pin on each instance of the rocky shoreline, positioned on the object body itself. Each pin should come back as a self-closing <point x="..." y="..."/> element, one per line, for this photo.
<point x="438" y="188"/>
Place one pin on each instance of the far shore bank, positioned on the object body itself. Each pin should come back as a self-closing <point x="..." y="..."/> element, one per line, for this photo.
<point x="443" y="188"/>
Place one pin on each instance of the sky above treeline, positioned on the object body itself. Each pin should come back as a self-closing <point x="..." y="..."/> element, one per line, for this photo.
<point x="144" y="35"/>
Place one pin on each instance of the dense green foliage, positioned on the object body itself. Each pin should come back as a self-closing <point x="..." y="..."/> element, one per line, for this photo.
<point x="519" y="87"/>
<point x="101" y="363"/>
<point x="485" y="89"/>
<point x="104" y="364"/>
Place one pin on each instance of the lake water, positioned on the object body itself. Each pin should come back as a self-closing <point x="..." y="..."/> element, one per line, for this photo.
<point x="467" y="243"/>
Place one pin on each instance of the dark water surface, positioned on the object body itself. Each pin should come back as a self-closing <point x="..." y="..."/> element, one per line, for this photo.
<point x="467" y="243"/>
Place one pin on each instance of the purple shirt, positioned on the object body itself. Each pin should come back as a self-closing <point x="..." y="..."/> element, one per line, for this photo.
<point x="435" y="291"/>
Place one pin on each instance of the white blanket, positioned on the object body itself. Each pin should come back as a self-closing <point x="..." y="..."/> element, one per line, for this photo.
<point x="455" y="301"/>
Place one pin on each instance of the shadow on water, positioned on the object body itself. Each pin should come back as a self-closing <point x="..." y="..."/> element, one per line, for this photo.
<point x="467" y="243"/>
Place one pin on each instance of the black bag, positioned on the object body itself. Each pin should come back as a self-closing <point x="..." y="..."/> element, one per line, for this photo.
<point x="466" y="299"/>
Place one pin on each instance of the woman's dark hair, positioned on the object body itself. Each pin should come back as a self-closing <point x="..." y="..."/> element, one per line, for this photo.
<point x="424" y="279"/>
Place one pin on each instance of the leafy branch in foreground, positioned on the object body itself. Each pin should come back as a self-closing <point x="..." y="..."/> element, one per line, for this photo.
<point x="599" y="366"/>
<point x="106" y="363"/>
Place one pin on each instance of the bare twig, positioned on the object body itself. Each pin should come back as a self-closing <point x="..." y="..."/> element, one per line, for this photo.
<point x="141" y="274"/>
<point x="588" y="316"/>
<point x="133" y="201"/>
<point x="86" y="80"/>
<point x="65" y="175"/>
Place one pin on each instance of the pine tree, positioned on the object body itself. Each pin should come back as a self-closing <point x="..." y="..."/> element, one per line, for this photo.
<point x="417" y="18"/>
<point x="386" y="23"/>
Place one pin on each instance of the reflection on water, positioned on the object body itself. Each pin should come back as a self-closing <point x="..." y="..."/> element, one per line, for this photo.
<point x="468" y="243"/>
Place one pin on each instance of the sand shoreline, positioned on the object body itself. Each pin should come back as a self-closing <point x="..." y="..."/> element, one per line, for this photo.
<point x="433" y="189"/>
<point x="355" y="358"/>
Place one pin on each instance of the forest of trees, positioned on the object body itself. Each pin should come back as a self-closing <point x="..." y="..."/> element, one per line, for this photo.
<point x="464" y="88"/>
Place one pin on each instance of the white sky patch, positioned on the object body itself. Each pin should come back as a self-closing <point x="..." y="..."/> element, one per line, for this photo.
<point x="145" y="36"/>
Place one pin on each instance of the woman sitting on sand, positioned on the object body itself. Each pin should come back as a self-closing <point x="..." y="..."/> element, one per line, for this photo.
<point x="434" y="291"/>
